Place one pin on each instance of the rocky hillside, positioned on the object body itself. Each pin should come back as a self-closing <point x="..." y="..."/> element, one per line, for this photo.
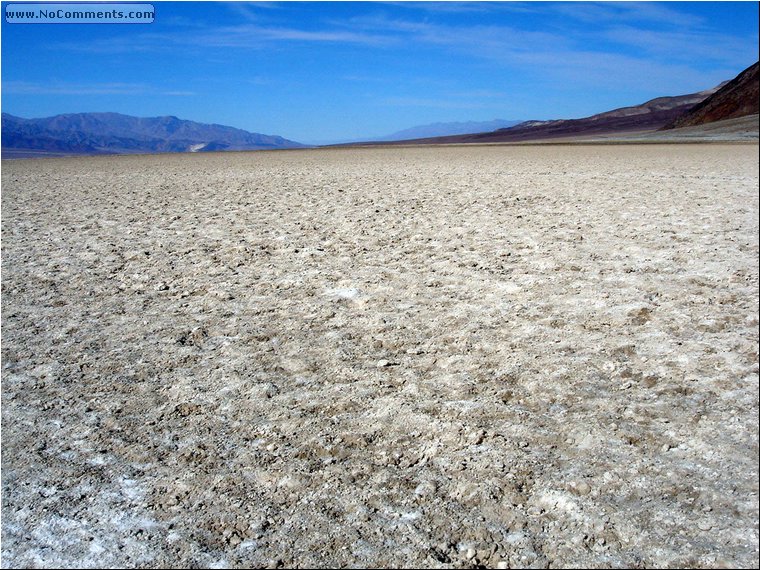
<point x="737" y="98"/>
<point x="648" y="116"/>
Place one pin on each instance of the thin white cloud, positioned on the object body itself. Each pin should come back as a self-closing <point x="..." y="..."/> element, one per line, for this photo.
<point x="481" y="94"/>
<point x="429" y="103"/>
<point x="649" y="59"/>
<point x="589" y="70"/>
<point x="681" y="45"/>
<point x="260" y="80"/>
<point x="244" y="36"/>
<point x="448" y="7"/>
<point x="614" y="22"/>
<point x="251" y="11"/>
<point x="602" y="13"/>
<point x="254" y="36"/>
<point x="366" y="78"/>
<point x="34" y="88"/>
<point x="138" y="43"/>
<point x="482" y="37"/>
<point x="636" y="44"/>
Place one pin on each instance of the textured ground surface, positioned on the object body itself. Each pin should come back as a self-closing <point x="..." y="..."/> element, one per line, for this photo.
<point x="439" y="357"/>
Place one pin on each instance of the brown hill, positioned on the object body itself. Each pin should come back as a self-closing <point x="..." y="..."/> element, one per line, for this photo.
<point x="737" y="98"/>
<point x="648" y="116"/>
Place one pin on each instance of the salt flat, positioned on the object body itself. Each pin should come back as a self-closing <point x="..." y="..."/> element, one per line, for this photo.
<point x="437" y="357"/>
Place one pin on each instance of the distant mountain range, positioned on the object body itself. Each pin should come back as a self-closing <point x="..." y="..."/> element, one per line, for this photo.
<point x="729" y="100"/>
<point x="650" y="115"/>
<point x="113" y="133"/>
<point x="444" y="129"/>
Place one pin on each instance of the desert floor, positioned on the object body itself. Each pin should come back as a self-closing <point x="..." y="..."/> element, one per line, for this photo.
<point x="438" y="357"/>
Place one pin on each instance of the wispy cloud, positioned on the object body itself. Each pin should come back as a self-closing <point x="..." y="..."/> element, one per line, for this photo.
<point x="244" y="36"/>
<point x="677" y="36"/>
<point x="448" y="7"/>
<point x="175" y="93"/>
<point x="261" y="81"/>
<point x="263" y="5"/>
<point x="603" y="13"/>
<point x="463" y="37"/>
<point x="366" y="78"/>
<point x="625" y="44"/>
<point x="680" y="45"/>
<point x="628" y="56"/>
<point x="33" y="88"/>
<point x="430" y="103"/>
<point x="481" y="94"/>
<point x="257" y="36"/>
<point x="252" y="11"/>
<point x="133" y="44"/>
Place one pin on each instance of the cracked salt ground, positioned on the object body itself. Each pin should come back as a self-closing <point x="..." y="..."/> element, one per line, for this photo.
<point x="437" y="357"/>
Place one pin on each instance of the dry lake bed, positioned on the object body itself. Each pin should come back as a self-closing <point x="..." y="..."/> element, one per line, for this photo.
<point x="496" y="356"/>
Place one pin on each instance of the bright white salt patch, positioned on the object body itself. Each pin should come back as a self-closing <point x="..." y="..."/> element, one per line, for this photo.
<point x="554" y="500"/>
<point x="463" y="405"/>
<point x="349" y="293"/>
<point x="130" y="488"/>
<point x="410" y="516"/>
<point x="510" y="288"/>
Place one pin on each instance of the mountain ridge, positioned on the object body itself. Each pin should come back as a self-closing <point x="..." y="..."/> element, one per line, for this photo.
<point x="116" y="133"/>
<point x="739" y="97"/>
<point x="447" y="128"/>
<point x="633" y="120"/>
<point x="650" y="115"/>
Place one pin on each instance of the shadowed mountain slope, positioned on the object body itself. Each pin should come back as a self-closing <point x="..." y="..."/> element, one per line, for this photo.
<point x="647" y="116"/>
<point x="737" y="98"/>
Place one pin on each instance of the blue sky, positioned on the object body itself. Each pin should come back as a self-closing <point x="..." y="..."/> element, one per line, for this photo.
<point x="329" y="71"/>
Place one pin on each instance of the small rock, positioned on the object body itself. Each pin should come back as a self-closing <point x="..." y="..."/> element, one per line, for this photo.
<point x="477" y="437"/>
<point x="425" y="489"/>
<point x="583" y="488"/>
<point x="187" y="409"/>
<point x="470" y="554"/>
<point x="383" y="363"/>
<point x="501" y="564"/>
